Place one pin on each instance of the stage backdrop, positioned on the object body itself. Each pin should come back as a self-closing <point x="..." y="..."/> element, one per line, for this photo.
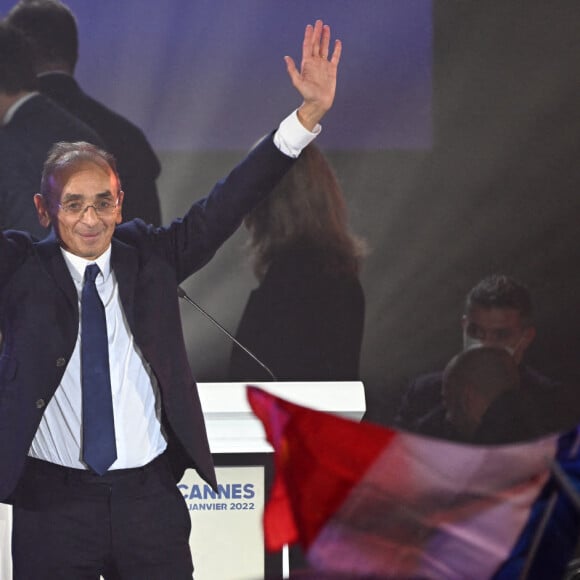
<point x="455" y="136"/>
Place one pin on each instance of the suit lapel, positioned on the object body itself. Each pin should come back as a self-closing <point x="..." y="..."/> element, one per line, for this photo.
<point x="124" y="261"/>
<point x="51" y="256"/>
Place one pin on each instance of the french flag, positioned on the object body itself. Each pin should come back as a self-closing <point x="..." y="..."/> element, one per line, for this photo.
<point x="367" y="501"/>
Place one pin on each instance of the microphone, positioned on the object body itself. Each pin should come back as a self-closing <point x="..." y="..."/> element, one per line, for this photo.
<point x="182" y="294"/>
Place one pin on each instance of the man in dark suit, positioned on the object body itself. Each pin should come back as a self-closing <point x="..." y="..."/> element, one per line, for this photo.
<point x="498" y="312"/>
<point x="31" y="124"/>
<point x="52" y="29"/>
<point x="104" y="501"/>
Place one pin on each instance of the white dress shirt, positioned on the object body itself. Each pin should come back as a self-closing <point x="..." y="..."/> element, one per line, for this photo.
<point x="136" y="399"/>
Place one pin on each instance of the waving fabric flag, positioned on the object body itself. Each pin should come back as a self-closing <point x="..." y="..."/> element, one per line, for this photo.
<point x="369" y="501"/>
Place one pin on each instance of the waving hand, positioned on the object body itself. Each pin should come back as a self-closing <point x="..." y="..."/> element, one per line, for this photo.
<point x="316" y="79"/>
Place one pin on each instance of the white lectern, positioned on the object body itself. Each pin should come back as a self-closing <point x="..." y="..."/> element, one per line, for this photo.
<point x="226" y="538"/>
<point x="231" y="523"/>
<point x="233" y="428"/>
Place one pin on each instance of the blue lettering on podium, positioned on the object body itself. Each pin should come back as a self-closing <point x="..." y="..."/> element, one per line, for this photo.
<point x="227" y="491"/>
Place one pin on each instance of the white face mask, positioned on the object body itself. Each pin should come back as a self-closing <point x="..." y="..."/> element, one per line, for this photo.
<point x="470" y="342"/>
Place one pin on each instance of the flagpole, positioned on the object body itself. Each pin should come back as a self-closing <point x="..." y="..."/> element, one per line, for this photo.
<point x="539" y="535"/>
<point x="567" y="487"/>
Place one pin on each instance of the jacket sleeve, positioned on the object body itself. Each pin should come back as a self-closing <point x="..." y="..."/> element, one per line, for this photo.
<point x="190" y="242"/>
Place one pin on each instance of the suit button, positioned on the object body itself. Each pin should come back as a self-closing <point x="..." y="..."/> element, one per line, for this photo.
<point x="40" y="403"/>
<point x="60" y="362"/>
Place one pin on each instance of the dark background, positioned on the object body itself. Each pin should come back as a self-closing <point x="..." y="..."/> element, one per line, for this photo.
<point x="480" y="175"/>
<point x="498" y="191"/>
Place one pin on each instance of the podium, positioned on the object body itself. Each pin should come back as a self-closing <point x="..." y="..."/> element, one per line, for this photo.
<point x="226" y="538"/>
<point x="233" y="428"/>
<point x="5" y="532"/>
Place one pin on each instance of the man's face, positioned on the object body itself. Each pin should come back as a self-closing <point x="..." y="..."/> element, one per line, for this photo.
<point x="499" y="327"/>
<point x="86" y="233"/>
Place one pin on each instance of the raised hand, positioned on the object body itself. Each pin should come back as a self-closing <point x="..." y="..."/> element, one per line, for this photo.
<point x="316" y="79"/>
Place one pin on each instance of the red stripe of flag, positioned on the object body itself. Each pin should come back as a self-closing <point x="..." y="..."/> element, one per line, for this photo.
<point x="295" y="483"/>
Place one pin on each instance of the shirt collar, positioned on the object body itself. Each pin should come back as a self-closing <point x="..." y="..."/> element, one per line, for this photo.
<point x="16" y="105"/>
<point x="77" y="265"/>
<point x="53" y="72"/>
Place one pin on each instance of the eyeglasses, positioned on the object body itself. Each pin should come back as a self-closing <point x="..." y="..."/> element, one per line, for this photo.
<point x="102" y="207"/>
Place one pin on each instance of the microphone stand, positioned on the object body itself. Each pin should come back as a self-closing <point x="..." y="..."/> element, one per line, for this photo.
<point x="182" y="294"/>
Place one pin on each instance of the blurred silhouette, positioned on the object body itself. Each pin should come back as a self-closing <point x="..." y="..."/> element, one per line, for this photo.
<point x="498" y="312"/>
<point x="472" y="381"/>
<point x="531" y="413"/>
<point x="51" y="27"/>
<point x="31" y="124"/>
<point x="305" y="320"/>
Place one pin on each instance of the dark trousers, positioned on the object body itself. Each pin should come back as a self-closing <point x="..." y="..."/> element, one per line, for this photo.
<point x="129" y="524"/>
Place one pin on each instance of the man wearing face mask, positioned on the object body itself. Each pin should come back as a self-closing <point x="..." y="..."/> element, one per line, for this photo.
<point x="497" y="313"/>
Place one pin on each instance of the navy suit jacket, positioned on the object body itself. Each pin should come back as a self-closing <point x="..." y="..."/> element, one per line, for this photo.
<point x="24" y="145"/>
<point x="39" y="313"/>
<point x="137" y="163"/>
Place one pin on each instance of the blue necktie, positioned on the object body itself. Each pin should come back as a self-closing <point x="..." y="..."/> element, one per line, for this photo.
<point x="99" y="449"/>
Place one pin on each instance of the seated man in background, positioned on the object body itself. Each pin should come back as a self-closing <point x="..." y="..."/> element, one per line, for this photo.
<point x="498" y="313"/>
